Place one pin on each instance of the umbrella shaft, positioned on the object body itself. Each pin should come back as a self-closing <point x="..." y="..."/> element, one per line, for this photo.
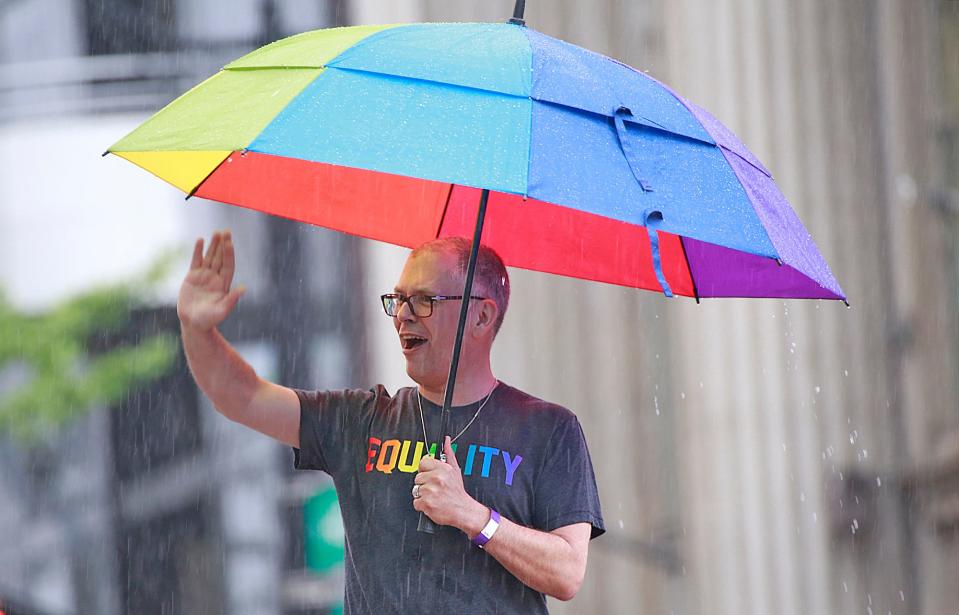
<point x="425" y="524"/>
<point x="464" y="307"/>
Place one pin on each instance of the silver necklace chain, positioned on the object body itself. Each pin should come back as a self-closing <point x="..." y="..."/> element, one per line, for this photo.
<point x="419" y="405"/>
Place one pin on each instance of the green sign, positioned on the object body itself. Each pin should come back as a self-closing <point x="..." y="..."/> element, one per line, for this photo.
<point x="324" y="531"/>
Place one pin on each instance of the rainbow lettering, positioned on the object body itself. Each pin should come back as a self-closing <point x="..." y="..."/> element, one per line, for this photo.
<point x="388" y="456"/>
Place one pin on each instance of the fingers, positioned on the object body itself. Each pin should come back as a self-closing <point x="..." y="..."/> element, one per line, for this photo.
<point x="229" y="261"/>
<point x="229" y="300"/>
<point x="438" y="487"/>
<point x="211" y="251"/>
<point x="197" y="259"/>
<point x="450" y="455"/>
<point x="219" y="256"/>
<point x="427" y="463"/>
<point x="217" y="263"/>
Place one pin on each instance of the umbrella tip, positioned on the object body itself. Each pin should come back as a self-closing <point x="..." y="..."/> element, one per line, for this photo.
<point x="518" y="9"/>
<point x="104" y="153"/>
<point x="846" y="302"/>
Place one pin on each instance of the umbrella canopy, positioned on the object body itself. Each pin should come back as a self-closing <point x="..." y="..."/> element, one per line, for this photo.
<point x="594" y="170"/>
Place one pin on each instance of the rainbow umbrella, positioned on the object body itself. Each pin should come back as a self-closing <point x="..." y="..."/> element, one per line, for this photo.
<point x="593" y="169"/>
<point x="576" y="164"/>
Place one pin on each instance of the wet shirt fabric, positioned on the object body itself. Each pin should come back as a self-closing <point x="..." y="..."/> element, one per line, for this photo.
<point x="522" y="456"/>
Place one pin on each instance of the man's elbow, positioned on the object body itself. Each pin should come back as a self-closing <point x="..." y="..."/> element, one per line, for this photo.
<point x="570" y="586"/>
<point x="567" y="593"/>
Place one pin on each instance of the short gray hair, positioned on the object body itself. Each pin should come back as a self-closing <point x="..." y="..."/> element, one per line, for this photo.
<point x="490" y="276"/>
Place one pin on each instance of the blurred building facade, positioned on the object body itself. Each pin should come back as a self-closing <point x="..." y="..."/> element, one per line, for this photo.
<point x="753" y="456"/>
<point x="158" y="505"/>
<point x="769" y="456"/>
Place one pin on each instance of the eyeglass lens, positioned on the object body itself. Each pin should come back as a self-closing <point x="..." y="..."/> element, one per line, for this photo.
<point x="422" y="305"/>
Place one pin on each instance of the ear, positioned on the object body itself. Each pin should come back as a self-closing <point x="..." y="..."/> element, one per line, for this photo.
<point x="484" y="318"/>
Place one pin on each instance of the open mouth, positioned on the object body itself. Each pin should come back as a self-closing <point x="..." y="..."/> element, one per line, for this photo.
<point x="410" y="342"/>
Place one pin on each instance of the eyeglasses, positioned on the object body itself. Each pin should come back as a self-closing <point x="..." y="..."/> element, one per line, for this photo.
<point x="421" y="305"/>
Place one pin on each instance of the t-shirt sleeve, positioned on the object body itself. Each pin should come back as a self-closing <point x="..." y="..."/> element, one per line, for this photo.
<point x="566" y="487"/>
<point x="329" y="424"/>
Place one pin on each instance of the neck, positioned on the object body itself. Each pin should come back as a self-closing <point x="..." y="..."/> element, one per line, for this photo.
<point x="470" y="387"/>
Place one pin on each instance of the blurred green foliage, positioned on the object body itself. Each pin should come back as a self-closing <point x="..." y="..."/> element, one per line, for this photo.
<point x="48" y="374"/>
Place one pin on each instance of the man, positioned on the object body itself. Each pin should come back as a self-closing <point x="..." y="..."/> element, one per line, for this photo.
<point x="516" y="500"/>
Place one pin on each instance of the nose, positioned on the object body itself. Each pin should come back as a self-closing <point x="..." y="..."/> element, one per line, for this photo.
<point x="404" y="312"/>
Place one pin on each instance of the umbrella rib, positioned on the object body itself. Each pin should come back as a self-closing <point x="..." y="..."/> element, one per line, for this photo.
<point x="197" y="187"/>
<point x="446" y="206"/>
<point x="240" y="69"/>
<point x="423" y="80"/>
<point x="744" y="159"/>
<point x="692" y="278"/>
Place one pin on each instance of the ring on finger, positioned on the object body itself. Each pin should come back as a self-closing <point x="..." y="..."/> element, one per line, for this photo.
<point x="416" y="491"/>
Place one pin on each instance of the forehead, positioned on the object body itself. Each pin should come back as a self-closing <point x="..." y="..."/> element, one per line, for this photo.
<point x="431" y="271"/>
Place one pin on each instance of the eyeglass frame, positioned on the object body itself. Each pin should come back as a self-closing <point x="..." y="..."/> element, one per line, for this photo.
<point x="408" y="300"/>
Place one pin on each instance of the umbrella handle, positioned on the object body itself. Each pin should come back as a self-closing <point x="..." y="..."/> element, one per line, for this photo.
<point x="425" y="525"/>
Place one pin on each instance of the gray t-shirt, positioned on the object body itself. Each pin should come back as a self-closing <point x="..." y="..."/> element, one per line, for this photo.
<point x="522" y="456"/>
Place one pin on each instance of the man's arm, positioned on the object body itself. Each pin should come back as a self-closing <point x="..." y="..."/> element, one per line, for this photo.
<point x="236" y="391"/>
<point x="551" y="562"/>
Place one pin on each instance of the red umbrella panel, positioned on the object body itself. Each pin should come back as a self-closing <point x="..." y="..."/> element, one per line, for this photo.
<point x="527" y="233"/>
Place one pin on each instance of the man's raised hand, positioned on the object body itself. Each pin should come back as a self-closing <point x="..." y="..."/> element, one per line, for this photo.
<point x="237" y="392"/>
<point x="206" y="298"/>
